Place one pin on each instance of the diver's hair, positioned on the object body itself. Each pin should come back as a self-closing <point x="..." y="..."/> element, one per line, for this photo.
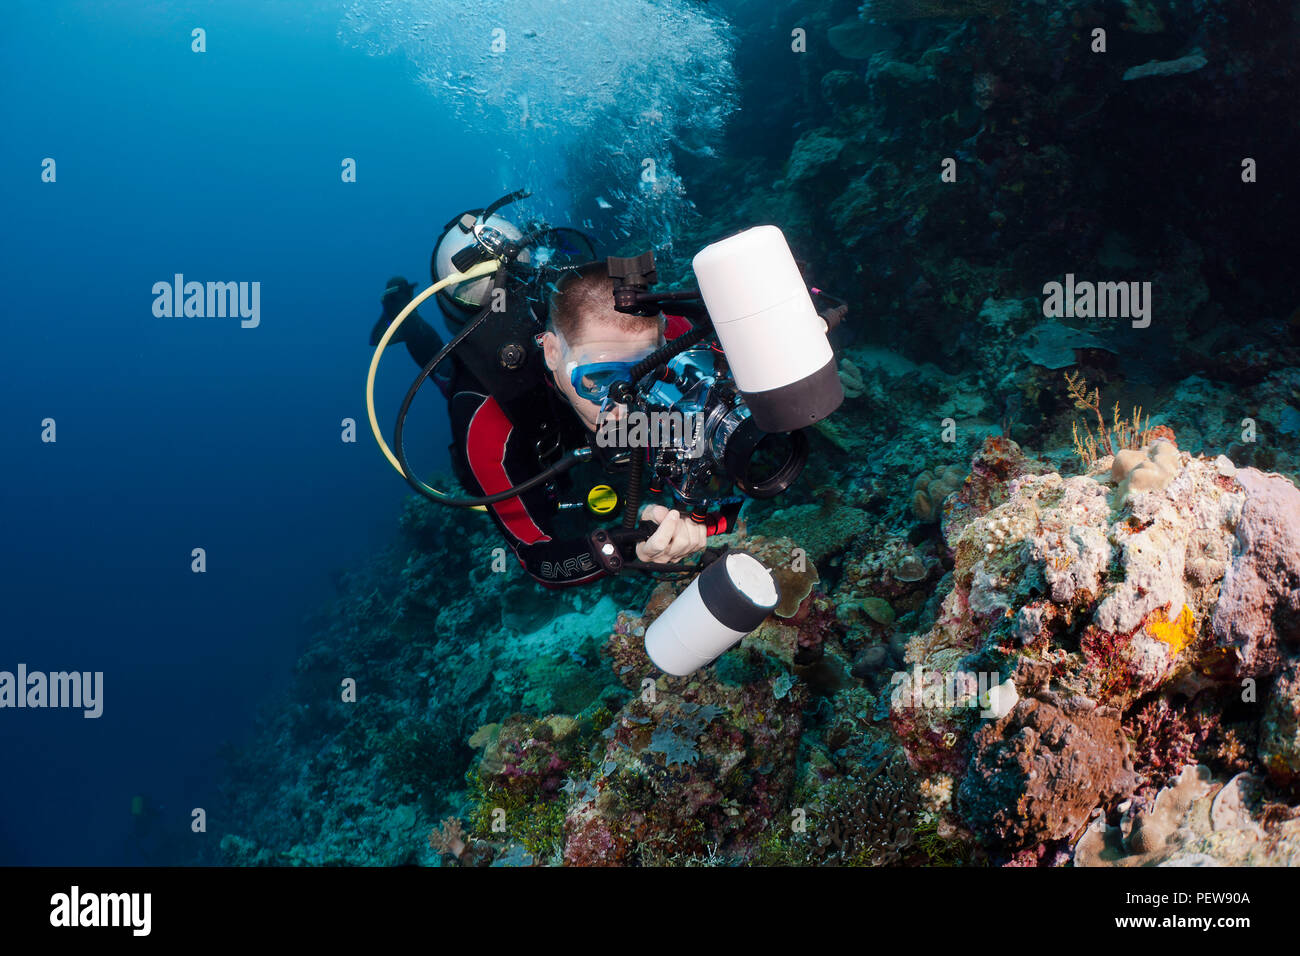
<point x="584" y="297"/>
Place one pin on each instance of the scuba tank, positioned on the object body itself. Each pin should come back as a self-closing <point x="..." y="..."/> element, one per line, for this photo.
<point x="502" y="352"/>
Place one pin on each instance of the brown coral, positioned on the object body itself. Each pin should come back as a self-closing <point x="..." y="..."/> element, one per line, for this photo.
<point x="794" y="571"/>
<point x="448" y="838"/>
<point x="1038" y="772"/>
<point x="871" y="822"/>
<point x="1149" y="468"/>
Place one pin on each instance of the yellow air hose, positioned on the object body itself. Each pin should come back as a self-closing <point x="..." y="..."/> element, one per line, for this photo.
<point x="474" y="272"/>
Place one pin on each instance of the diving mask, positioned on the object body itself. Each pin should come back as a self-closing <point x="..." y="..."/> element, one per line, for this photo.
<point x="592" y="378"/>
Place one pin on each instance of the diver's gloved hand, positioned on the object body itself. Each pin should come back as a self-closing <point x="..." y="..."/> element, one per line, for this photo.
<point x="397" y="296"/>
<point x="676" y="537"/>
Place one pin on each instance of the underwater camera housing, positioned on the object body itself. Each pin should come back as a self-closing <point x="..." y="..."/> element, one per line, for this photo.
<point x="748" y="397"/>
<point x="772" y="374"/>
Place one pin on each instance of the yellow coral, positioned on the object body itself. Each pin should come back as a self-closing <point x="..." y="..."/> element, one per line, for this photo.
<point x="1177" y="633"/>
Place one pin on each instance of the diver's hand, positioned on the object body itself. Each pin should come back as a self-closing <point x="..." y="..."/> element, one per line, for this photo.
<point x="675" y="538"/>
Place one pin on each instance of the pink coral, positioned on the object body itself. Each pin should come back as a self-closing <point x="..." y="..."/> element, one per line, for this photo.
<point x="1259" y="601"/>
<point x="1166" y="738"/>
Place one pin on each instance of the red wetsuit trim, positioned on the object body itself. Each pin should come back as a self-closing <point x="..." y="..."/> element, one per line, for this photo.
<point x="676" y="325"/>
<point x="485" y="445"/>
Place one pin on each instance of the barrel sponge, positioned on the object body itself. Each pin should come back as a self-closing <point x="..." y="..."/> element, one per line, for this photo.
<point x="1145" y="469"/>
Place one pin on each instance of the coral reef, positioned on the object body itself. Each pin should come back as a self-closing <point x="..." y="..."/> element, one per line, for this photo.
<point x="1106" y="596"/>
<point x="1005" y="635"/>
<point x="1036" y="773"/>
<point x="1043" y="667"/>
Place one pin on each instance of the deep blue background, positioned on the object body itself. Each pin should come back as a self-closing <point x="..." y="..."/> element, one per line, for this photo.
<point x="181" y="433"/>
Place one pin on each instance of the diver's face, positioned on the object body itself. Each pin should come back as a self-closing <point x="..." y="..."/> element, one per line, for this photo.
<point x="594" y="345"/>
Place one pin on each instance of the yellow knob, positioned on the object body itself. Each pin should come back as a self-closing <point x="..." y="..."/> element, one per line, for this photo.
<point x="602" y="500"/>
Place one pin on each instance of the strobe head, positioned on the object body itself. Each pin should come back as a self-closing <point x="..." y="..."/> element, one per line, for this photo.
<point x="774" y="340"/>
<point x="725" y="602"/>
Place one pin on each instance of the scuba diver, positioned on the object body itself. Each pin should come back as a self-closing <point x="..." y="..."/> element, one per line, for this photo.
<point x="549" y="344"/>
<point x="585" y="341"/>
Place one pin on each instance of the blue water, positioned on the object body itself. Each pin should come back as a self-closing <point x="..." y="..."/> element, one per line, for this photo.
<point x="178" y="433"/>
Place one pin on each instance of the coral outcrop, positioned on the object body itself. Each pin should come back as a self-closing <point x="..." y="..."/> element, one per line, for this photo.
<point x="1037" y="773"/>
